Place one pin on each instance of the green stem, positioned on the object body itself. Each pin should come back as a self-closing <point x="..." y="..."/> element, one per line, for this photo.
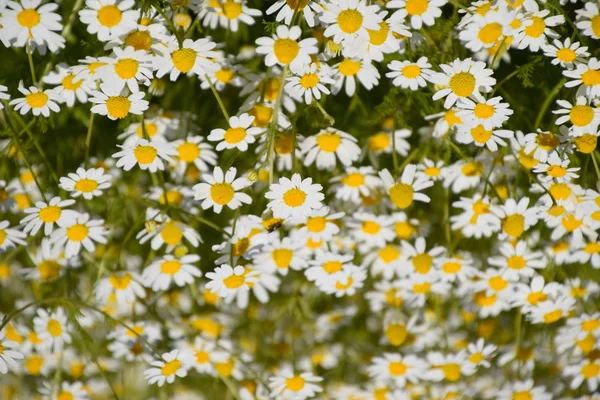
<point x="216" y="94"/>
<point x="171" y="25"/>
<point x="31" y="67"/>
<point x="274" y="127"/>
<point x="88" y="139"/>
<point x="595" y="164"/>
<point x="230" y="387"/>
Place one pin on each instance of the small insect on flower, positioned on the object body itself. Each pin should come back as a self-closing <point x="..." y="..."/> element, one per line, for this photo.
<point x="88" y="184"/>
<point x="294" y="198"/>
<point x="407" y="190"/>
<point x="222" y="190"/>
<point x="172" y="365"/>
<point x="147" y="154"/>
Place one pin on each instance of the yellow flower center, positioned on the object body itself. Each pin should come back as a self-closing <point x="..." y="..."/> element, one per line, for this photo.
<point x="109" y="16"/>
<point x="150" y="128"/>
<point x="527" y="160"/>
<point x="284" y="144"/>
<point x="331" y="267"/>
<point x="516" y="262"/>
<point x="480" y="134"/>
<point x="397" y="368"/>
<point x="86" y="185"/>
<point x="591" y="77"/>
<point x="145" y="154"/>
<point x="378" y="37"/>
<point x="490" y="33"/>
<point x="295" y="384"/>
<point x="581" y="115"/>
<point x="422" y="263"/>
<point x="329" y="142"/>
<point x="231" y="9"/>
<point x="234" y="281"/>
<point x="451" y="118"/>
<point x="396" y="334"/>
<point x="241" y="246"/>
<point x="49" y="269"/>
<point x="139" y="40"/>
<point x="416" y="7"/>
<point x="451" y="267"/>
<point x="497" y="283"/>
<point x="535" y="297"/>
<point x="171" y="368"/>
<point x="411" y="71"/>
<point x="50" y="214"/>
<point x="286" y="50"/>
<point x="120" y="282"/>
<point x="170" y="267"/>
<point x="590" y="325"/>
<point x="570" y="223"/>
<point x="343" y="286"/>
<point x="536" y="29"/>
<point x="184" y="59"/>
<point x="316" y="224"/>
<point x="349" y="67"/>
<point x="402" y="195"/>
<point x="552" y="316"/>
<point x="297" y="5"/>
<point x="514" y="225"/>
<point x="566" y="55"/>
<point x="202" y="357"/>
<point x="36" y="100"/>
<point x="235" y="135"/>
<point x="560" y="191"/>
<point x="349" y="21"/>
<point x="68" y="83"/>
<point x="54" y="328"/>
<point x="4" y="272"/>
<point x="587" y="344"/>
<point x="127" y="68"/>
<point x="547" y="141"/>
<point x="222" y="193"/>
<point x="370" y="227"/>
<point x="522" y="396"/>
<point x="188" y="152"/>
<point x="171" y="233"/>
<point x="294" y="197"/>
<point x="586" y="143"/>
<point x="118" y="106"/>
<point x="483" y="111"/>
<point x="309" y="81"/>
<point x="225" y="368"/>
<point x="556" y="171"/>
<point x="282" y="257"/>
<point x="65" y="396"/>
<point x="28" y="18"/>
<point x="225" y="75"/>
<point x="462" y="84"/>
<point x="77" y="232"/>
<point x="379" y="142"/>
<point x="476" y="358"/>
<point x="556" y="211"/>
<point x="34" y="364"/>
<point x="451" y="372"/>
<point x="354" y="179"/>
<point x="595" y="20"/>
<point x="590" y="370"/>
<point x="592" y="248"/>
<point x="389" y="254"/>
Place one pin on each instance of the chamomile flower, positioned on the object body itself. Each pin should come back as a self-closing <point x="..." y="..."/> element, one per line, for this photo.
<point x="52" y="328"/>
<point x="207" y="354"/>
<point x="282" y="255"/>
<point x="8" y="353"/>
<point x="584" y="118"/>
<point x="480" y="136"/>
<point x="86" y="183"/>
<point x="79" y="232"/>
<point x="308" y="82"/>
<point x="174" y="364"/>
<point x="529" y="295"/>
<point x="70" y="86"/>
<point x="294" y="198"/>
<point x="588" y="17"/>
<point x="409" y="75"/>
<point x="350" y="69"/>
<point x="127" y="67"/>
<point x="397" y="369"/>
<point x="193" y="57"/>
<point x="516" y="217"/>
<point x="222" y="190"/>
<point x="113" y="103"/>
<point x="565" y="53"/>
<point x="284" y="48"/>
<point x="109" y="18"/>
<point x="194" y="151"/>
<point x="287" y="10"/>
<point x="405" y="192"/>
<point x="229" y="14"/>
<point x="370" y="229"/>
<point x="517" y="261"/>
<point x="327" y="145"/>
<point x="585" y="371"/>
<point x="124" y="286"/>
<point x="3" y="95"/>
<point x="587" y="75"/>
<point x="297" y="386"/>
<point x="491" y="113"/>
<point x="462" y="79"/>
<point x="419" y="11"/>
<point x="417" y="258"/>
<point x="535" y="29"/>
<point x="48" y="214"/>
<point x="66" y="390"/>
<point x="171" y="233"/>
<point x="148" y="155"/>
<point x="354" y="183"/>
<point x="226" y="280"/>
<point x="556" y="169"/>
<point x="167" y="269"/>
<point x="239" y="134"/>
<point x="348" y="19"/>
<point x="39" y="102"/>
<point x="30" y="21"/>
<point x="523" y="388"/>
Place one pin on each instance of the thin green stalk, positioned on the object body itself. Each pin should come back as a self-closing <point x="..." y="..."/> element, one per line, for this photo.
<point x="171" y="25"/>
<point x="330" y="120"/>
<point x="230" y="387"/>
<point x="88" y="139"/>
<point x="595" y="164"/>
<point x="274" y="127"/>
<point x="395" y="155"/>
<point x="216" y="94"/>
<point x="31" y="67"/>
<point x="553" y="93"/>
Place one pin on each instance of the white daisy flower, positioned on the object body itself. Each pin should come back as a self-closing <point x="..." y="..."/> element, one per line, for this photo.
<point x="383" y="142"/>
<point x="222" y="190"/>
<point x="8" y="353"/>
<point x="226" y="280"/>
<point x="126" y="67"/>
<point x="295" y="198"/>
<point x="228" y="14"/>
<point x="3" y="95"/>
<point x="110" y="101"/>
<point x="349" y="18"/>
<point x="193" y="57"/>
<point x="383" y="40"/>
<point x="70" y="86"/>
<point x="88" y="184"/>
<point x="66" y="390"/>
<point x="287" y="10"/>
<point x="171" y="233"/>
<point x="587" y="370"/>
<point x="39" y="102"/>
<point x="541" y="144"/>
<point x="174" y="364"/>
<point x="517" y="261"/>
<point x="550" y="311"/>
<point x="33" y="22"/>
<point x="109" y="18"/>
<point x="239" y="134"/>
<point x="326" y="145"/>
<point x="308" y="82"/>
<point x="163" y="271"/>
<point x="48" y="214"/>
<point x="207" y="354"/>
<point x="409" y="75"/>
<point x="147" y="154"/>
<point x="53" y="328"/>
<point x="491" y="113"/>
<point x="588" y="18"/>
<point x="349" y="70"/>
<point x="587" y="75"/>
<point x="281" y="255"/>
<point x="397" y="369"/>
<point x="124" y="286"/>
<point x="355" y="183"/>
<point x="557" y="169"/>
<point x="79" y="232"/>
<point x="565" y="54"/>
<point x="516" y="217"/>
<point x="480" y="136"/>
<point x="407" y="190"/>
<point x="419" y="11"/>
<point x="584" y="118"/>
<point x="193" y="150"/>
<point x="288" y="385"/>
<point x="462" y="79"/>
<point x="49" y="263"/>
<point x="285" y="49"/>
<point x="535" y="29"/>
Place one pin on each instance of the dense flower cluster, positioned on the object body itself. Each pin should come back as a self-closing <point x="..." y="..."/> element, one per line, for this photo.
<point x="337" y="199"/>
